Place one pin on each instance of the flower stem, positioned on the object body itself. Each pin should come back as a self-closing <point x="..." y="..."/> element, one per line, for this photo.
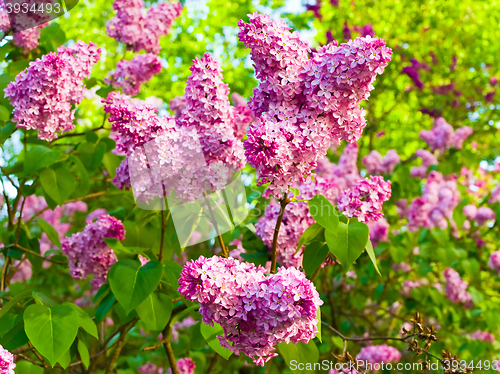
<point x="164" y="222"/>
<point x="283" y="204"/>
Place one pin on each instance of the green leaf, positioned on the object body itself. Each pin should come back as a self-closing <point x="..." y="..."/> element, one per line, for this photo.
<point x="318" y="326"/>
<point x="210" y="334"/>
<point x="65" y="359"/>
<point x="4" y="113"/>
<point x="58" y="184"/>
<point x="6" y="323"/>
<point x="111" y="162"/>
<point x="371" y="254"/>
<point x="39" y="157"/>
<point x="50" y="231"/>
<point x="300" y="353"/>
<point x="84" y="353"/>
<point x="84" y="320"/>
<point x="21" y="296"/>
<point x="295" y="191"/>
<point x="15" y="337"/>
<point x="25" y="367"/>
<point x="324" y="212"/>
<point x="155" y="311"/>
<point x="5" y="132"/>
<point x="257" y="258"/>
<point x="197" y="341"/>
<point x="105" y="305"/>
<point x="84" y="175"/>
<point x="51" y="330"/>
<point x="132" y="284"/>
<point x="310" y="233"/>
<point x="314" y="255"/>
<point x="104" y="91"/>
<point x="348" y="243"/>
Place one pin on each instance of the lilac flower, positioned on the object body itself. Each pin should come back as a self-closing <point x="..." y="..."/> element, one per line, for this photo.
<point x="442" y="136"/>
<point x="494" y="262"/>
<point x="379" y="231"/>
<point x="142" y="30"/>
<point x="7" y="364"/>
<point x="254" y="325"/>
<point x="484" y="214"/>
<point x="495" y="195"/>
<point x="484" y="336"/>
<point x="130" y="75"/>
<point x="44" y="94"/>
<point x="376" y="354"/>
<point x="87" y="251"/>
<point x="456" y="288"/>
<point x="428" y="159"/>
<point x="375" y="164"/>
<point x="304" y="105"/>
<point x="365" y="199"/>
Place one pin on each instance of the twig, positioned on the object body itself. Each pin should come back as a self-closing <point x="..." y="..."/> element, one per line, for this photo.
<point x="164" y="222"/>
<point x="283" y="204"/>
<point x="225" y="252"/>
<point x="4" y="273"/>
<point x="213" y="364"/>
<point x="38" y="355"/>
<point x="29" y="251"/>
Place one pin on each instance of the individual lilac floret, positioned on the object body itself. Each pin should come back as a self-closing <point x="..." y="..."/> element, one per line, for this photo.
<point x="428" y="159"/>
<point x="130" y="75"/>
<point x="494" y="262"/>
<point x="87" y="251"/>
<point x="44" y="94"/>
<point x="376" y="164"/>
<point x="483" y="335"/>
<point x="456" y="288"/>
<point x="256" y="312"/>
<point x="442" y="136"/>
<point x="139" y="29"/>
<point x="376" y="354"/>
<point x="365" y="199"/>
<point x="7" y="364"/>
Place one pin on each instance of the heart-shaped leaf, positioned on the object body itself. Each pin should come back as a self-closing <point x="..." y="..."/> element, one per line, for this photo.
<point x="324" y="212"/>
<point x="314" y="255"/>
<point x="50" y="231"/>
<point x="309" y="234"/>
<point x="371" y="254"/>
<point x="348" y="243"/>
<point x="155" y="311"/>
<point x="40" y="157"/>
<point x="132" y="284"/>
<point x="210" y="334"/>
<point x="51" y="330"/>
<point x="58" y="184"/>
<point x="298" y="355"/>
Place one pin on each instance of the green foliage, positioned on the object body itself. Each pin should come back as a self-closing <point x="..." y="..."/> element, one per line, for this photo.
<point x="348" y="242"/>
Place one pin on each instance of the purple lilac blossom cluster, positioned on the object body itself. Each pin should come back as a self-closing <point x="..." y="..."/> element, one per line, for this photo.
<point x="481" y="215"/>
<point x="87" y="251"/>
<point x="456" y="288"/>
<point x="435" y="207"/>
<point x="304" y="104"/>
<point x="184" y="366"/>
<point x="130" y="75"/>
<point x="365" y="199"/>
<point x="7" y="364"/>
<point x="413" y="72"/>
<point x="483" y="335"/>
<point x="375" y="164"/>
<point x="140" y="29"/>
<point x="256" y="311"/>
<point x="494" y="262"/>
<point x="428" y="159"/>
<point x="442" y="136"/>
<point x="376" y="354"/>
<point x="44" y="94"/>
<point x="379" y="231"/>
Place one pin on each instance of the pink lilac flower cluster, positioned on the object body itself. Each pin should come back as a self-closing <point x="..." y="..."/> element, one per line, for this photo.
<point x="408" y="285"/>
<point x="435" y="207"/>
<point x="456" y="288"/>
<point x="413" y="72"/>
<point x="7" y="364"/>
<point x="185" y="366"/>
<point x="296" y="220"/>
<point x="236" y="252"/>
<point x="376" y="354"/>
<point x="177" y="104"/>
<point x="442" y="136"/>
<point x="243" y="116"/>
<point x="345" y="174"/>
<point x="25" y="26"/>
<point x="304" y="105"/>
<point x="141" y="29"/>
<point x="480" y="215"/>
<point x="365" y="199"/>
<point x="379" y="231"/>
<point x="208" y="110"/>
<point x="494" y="262"/>
<point x="181" y="325"/>
<point x="130" y="75"/>
<point x="375" y="164"/>
<point x="428" y="159"/>
<point x="44" y="94"/>
<point x="256" y="311"/>
<point x="150" y="368"/>
<point x="403" y="266"/>
<point x="87" y="251"/>
<point x="484" y="336"/>
<point x="495" y="195"/>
